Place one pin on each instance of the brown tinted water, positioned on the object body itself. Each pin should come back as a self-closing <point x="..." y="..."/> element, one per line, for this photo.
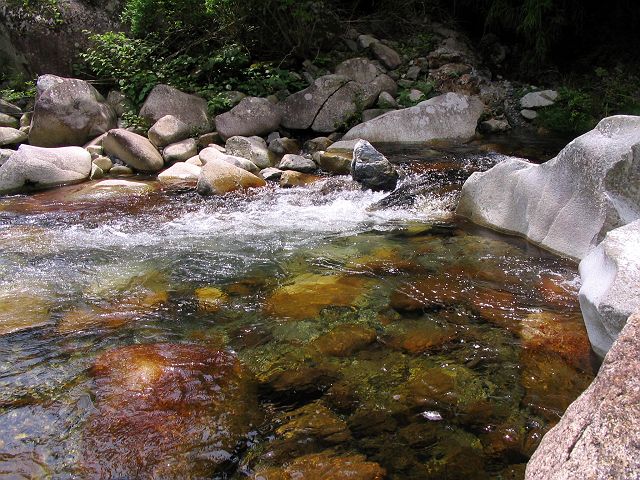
<point x="318" y="333"/>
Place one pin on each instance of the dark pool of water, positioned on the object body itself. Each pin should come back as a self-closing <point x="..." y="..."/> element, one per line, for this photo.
<point x="314" y="333"/>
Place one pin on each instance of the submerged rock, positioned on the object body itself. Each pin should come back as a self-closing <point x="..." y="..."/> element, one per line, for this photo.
<point x="372" y="169"/>
<point x="322" y="466"/>
<point x="610" y="290"/>
<point x="22" y="310"/>
<point x="598" y="435"/>
<point x="32" y="168"/>
<point x="448" y="117"/>
<point x="344" y="340"/>
<point x="68" y="111"/>
<point x="166" y="411"/>
<point x="568" y="204"/>
<point x="308" y="294"/>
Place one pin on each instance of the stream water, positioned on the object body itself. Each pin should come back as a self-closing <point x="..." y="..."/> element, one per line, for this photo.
<point x="310" y="333"/>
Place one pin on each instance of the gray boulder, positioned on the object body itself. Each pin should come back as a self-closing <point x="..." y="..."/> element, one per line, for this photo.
<point x="610" y="285"/>
<point x="5" y="153"/>
<point x="297" y="163"/>
<point x="251" y="148"/>
<point x="317" y="144"/>
<point x="271" y="174"/>
<point x="372" y="113"/>
<point x="252" y="116"/>
<point x="181" y="171"/>
<point x="12" y="136"/>
<point x="387" y="55"/>
<point x="218" y="177"/>
<point x="336" y="163"/>
<point x="9" y="108"/>
<point x="210" y="153"/>
<point x="359" y="69"/>
<point x="33" y="168"/>
<point x="365" y="41"/>
<point x="68" y="111"/>
<point x="133" y="149"/>
<point x="165" y="100"/>
<point x="371" y="169"/>
<point x="540" y="99"/>
<point x="384" y="83"/>
<point x="343" y="105"/>
<point x="282" y="146"/>
<point x="598" y="436"/>
<point x="180" y="151"/>
<point x="386" y="100"/>
<point x="568" y="204"/>
<point x="300" y="109"/>
<point x="9" y="121"/>
<point x="167" y="130"/>
<point x="451" y="116"/>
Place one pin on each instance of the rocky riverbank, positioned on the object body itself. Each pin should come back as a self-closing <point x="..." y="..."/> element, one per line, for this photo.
<point x="583" y="204"/>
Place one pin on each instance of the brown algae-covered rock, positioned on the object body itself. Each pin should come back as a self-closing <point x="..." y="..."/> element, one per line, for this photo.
<point x="166" y="411"/>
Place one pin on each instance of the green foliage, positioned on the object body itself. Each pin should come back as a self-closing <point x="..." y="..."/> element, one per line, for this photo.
<point x="47" y="9"/>
<point x="417" y="45"/>
<point x="617" y="91"/>
<point x="15" y="88"/>
<point x="130" y="63"/>
<point x="426" y="87"/>
<point x="133" y="120"/>
<point x="571" y="114"/>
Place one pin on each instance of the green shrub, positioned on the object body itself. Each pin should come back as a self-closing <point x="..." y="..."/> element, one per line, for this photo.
<point x="572" y="114"/>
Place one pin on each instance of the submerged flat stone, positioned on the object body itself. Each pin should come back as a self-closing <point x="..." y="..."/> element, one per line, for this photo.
<point x="308" y="294"/>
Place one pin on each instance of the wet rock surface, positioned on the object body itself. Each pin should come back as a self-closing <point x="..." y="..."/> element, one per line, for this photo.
<point x="597" y="436"/>
<point x="166" y="410"/>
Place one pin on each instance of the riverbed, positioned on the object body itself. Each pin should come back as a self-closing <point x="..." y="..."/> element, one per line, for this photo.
<point x="313" y="332"/>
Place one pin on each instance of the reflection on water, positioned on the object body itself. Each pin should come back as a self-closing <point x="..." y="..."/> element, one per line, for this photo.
<point x="319" y="332"/>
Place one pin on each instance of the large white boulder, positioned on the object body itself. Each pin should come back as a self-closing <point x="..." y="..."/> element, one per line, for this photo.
<point x="569" y="203"/>
<point x="610" y="290"/>
<point x="68" y="111"/>
<point x="451" y="116"/>
<point x="598" y="436"/>
<point x="33" y="168"/>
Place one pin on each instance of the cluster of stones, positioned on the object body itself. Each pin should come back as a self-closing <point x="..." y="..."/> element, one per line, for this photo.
<point x="73" y="134"/>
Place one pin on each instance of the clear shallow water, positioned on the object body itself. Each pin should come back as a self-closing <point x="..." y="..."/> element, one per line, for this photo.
<point x="387" y="340"/>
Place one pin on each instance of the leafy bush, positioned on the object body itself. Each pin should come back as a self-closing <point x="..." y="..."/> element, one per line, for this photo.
<point x="571" y="114"/>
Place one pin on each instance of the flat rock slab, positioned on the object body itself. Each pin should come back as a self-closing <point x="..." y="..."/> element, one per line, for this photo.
<point x="569" y="203"/>
<point x="451" y="116"/>
<point x="598" y="436"/>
